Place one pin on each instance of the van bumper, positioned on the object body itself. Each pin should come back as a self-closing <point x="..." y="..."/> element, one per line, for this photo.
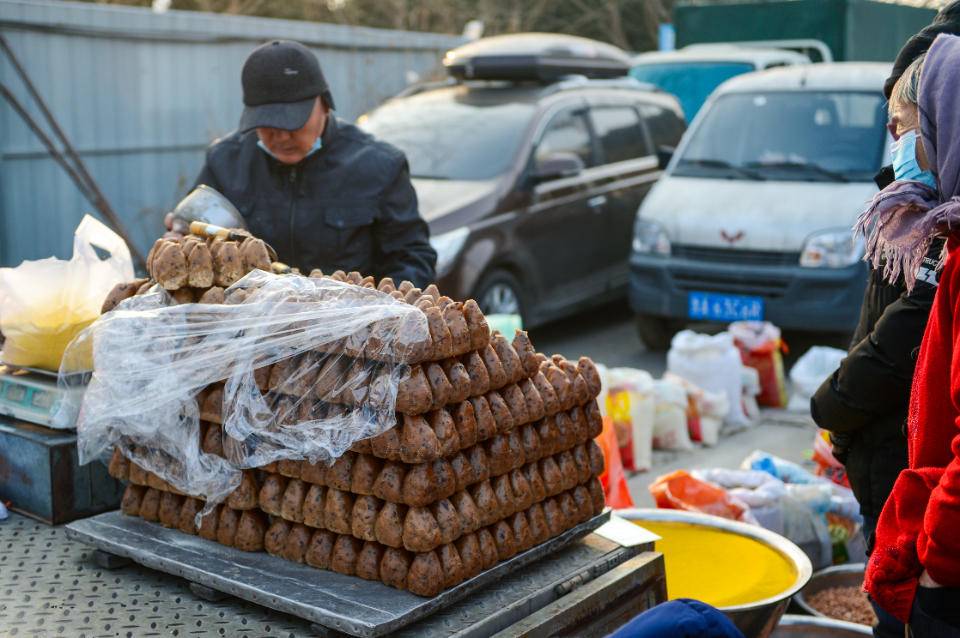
<point x="808" y="299"/>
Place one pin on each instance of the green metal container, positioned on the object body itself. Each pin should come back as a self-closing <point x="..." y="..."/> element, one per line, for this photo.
<point x="853" y="30"/>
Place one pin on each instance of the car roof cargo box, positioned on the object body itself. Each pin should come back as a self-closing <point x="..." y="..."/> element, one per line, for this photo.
<point x="542" y="57"/>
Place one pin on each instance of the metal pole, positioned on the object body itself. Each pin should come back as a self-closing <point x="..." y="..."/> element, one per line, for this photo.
<point x="51" y="149"/>
<point x="98" y="200"/>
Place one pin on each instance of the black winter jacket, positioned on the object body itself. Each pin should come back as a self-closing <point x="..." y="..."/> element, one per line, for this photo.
<point x="349" y="206"/>
<point x="864" y="403"/>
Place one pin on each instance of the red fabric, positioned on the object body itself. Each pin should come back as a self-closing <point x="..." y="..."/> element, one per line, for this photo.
<point x="919" y="527"/>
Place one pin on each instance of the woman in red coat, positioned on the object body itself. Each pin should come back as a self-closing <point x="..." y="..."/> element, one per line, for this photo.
<point x="914" y="571"/>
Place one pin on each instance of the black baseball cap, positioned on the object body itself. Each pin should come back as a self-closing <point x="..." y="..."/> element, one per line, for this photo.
<point x="281" y="81"/>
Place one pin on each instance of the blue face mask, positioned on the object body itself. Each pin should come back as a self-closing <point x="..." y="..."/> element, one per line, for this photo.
<point x="905" y="166"/>
<point x="317" y="145"/>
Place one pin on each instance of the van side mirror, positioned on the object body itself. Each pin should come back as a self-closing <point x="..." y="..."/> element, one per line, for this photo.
<point x="556" y="166"/>
<point x="664" y="155"/>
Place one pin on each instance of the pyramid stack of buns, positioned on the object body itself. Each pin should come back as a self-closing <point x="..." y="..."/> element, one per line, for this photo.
<point x="492" y="453"/>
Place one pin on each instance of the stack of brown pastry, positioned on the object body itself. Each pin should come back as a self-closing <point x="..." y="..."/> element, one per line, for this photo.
<point x="492" y="454"/>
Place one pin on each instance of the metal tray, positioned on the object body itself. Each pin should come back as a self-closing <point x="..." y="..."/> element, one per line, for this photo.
<point x="345" y="603"/>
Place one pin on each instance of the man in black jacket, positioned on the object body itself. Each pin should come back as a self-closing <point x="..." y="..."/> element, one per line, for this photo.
<point x="322" y="192"/>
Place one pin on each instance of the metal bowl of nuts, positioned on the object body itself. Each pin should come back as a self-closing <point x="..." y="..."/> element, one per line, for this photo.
<point x="812" y="627"/>
<point x="837" y="592"/>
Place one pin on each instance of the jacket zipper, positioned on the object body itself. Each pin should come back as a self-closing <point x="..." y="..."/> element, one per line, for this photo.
<point x="295" y="260"/>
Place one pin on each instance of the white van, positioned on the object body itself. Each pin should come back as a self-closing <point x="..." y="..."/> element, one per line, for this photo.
<point x="693" y="72"/>
<point x="752" y="218"/>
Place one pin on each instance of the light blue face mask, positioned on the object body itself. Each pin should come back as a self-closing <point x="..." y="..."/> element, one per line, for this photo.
<point x="317" y="145"/>
<point x="905" y="166"/>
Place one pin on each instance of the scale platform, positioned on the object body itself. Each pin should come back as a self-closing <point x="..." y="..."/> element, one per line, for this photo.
<point x="515" y="590"/>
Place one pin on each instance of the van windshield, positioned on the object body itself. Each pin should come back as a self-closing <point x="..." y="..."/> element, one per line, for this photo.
<point x="789" y="135"/>
<point x="454" y="133"/>
<point x="691" y="82"/>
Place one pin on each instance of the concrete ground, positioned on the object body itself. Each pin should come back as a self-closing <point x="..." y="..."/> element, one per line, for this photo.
<point x="607" y="335"/>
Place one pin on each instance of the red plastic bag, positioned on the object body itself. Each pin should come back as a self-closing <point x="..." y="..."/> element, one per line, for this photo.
<point x="614" y="478"/>
<point x="827" y="464"/>
<point x="680" y="491"/>
<point x="761" y="348"/>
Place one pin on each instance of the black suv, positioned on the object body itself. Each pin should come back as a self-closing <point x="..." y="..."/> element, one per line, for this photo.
<point x="530" y="177"/>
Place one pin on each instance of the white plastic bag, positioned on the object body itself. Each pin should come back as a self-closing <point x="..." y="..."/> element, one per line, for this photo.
<point x="629" y="402"/>
<point x="45" y="303"/>
<point x="712" y="363"/>
<point x="670" y="430"/>
<point x="751" y="389"/>
<point x="810" y="370"/>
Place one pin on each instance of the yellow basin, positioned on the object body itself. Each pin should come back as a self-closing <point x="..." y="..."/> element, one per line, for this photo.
<point x="746" y="571"/>
<point x="719" y="567"/>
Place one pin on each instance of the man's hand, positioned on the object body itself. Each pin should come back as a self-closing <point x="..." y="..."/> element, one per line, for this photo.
<point x="929" y="583"/>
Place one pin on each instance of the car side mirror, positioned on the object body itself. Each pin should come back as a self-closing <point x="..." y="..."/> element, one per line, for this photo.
<point x="664" y="155"/>
<point x="557" y="166"/>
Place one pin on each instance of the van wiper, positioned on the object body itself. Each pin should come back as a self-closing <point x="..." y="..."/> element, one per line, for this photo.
<point x="804" y="166"/>
<point x="723" y="164"/>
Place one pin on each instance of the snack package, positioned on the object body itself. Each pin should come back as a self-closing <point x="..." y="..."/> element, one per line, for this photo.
<point x="629" y="402"/>
<point x="761" y="348"/>
<point x="45" y="303"/>
<point x="827" y="465"/>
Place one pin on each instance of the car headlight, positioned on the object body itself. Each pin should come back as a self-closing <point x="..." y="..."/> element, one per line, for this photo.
<point x="650" y="238"/>
<point x="448" y="246"/>
<point x="832" y="249"/>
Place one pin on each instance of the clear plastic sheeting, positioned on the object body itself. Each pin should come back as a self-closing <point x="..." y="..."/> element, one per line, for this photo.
<point x="306" y="367"/>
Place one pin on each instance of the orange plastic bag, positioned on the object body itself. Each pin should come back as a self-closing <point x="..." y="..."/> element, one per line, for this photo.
<point x="614" y="478"/>
<point x="680" y="491"/>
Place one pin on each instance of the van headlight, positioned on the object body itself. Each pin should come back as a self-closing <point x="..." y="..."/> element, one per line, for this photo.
<point x="448" y="247"/>
<point x="832" y="249"/>
<point x="649" y="238"/>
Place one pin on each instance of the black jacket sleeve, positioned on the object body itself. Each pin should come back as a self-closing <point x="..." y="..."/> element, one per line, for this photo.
<point x="402" y="236"/>
<point x="875" y="378"/>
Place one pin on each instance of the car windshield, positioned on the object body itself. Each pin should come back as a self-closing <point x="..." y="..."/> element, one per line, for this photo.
<point x="789" y="135"/>
<point x="691" y="82"/>
<point x="454" y="133"/>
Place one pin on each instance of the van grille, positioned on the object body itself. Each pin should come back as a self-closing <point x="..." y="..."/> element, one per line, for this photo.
<point x="736" y="256"/>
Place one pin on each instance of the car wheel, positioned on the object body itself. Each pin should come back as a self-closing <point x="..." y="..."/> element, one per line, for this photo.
<point x="657" y="332"/>
<point x="501" y="294"/>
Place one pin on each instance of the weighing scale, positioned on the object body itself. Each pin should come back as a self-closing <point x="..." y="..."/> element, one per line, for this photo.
<point x="32" y="395"/>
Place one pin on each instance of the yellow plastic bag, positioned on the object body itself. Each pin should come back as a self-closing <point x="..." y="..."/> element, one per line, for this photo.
<point x="45" y="303"/>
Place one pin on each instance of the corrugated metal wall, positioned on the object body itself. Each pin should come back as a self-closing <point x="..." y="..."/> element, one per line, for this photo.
<point x="141" y="95"/>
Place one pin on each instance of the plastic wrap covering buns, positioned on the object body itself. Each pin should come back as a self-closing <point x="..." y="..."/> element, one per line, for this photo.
<point x="302" y="368"/>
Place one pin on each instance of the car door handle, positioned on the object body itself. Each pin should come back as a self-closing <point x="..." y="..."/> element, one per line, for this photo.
<point x="597" y="203"/>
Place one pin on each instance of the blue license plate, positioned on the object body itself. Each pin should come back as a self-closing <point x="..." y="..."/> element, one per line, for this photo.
<point x="711" y="306"/>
